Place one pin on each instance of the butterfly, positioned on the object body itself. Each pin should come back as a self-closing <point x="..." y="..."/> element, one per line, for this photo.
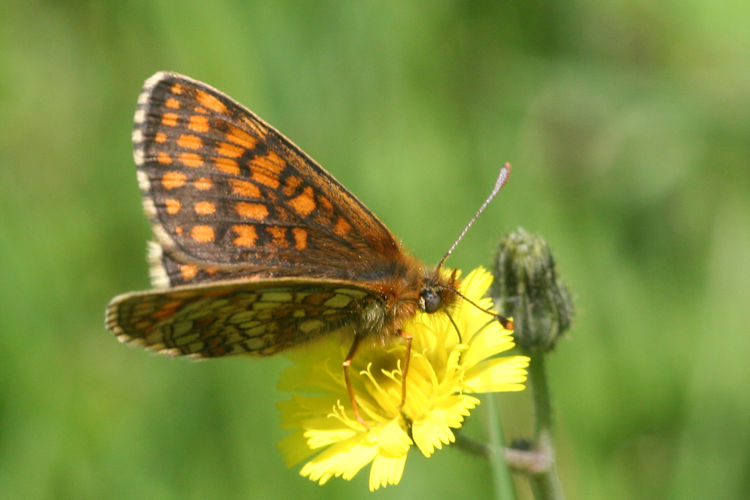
<point x="257" y="248"/>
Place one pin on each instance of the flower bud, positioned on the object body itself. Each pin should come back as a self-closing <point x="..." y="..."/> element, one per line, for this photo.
<point x="528" y="289"/>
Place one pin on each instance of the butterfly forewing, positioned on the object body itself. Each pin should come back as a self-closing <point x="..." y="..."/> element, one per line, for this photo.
<point x="257" y="247"/>
<point x="228" y="194"/>
<point x="234" y="317"/>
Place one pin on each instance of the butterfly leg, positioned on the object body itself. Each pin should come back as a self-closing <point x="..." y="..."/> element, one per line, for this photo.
<point x="347" y="363"/>
<point x="407" y="357"/>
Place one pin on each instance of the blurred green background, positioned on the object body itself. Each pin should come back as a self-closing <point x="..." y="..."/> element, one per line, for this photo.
<point x="628" y="125"/>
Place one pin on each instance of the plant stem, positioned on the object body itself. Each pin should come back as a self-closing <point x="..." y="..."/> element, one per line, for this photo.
<point x="501" y="477"/>
<point x="540" y="391"/>
<point x="545" y="483"/>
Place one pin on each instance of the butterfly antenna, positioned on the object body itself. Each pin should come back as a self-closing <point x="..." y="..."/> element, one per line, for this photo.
<point x="502" y="178"/>
<point x="506" y="322"/>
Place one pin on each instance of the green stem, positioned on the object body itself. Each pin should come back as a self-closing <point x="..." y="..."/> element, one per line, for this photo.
<point x="540" y="391"/>
<point x="501" y="477"/>
<point x="545" y="483"/>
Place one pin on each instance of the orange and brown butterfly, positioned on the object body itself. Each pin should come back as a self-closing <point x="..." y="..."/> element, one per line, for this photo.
<point x="257" y="247"/>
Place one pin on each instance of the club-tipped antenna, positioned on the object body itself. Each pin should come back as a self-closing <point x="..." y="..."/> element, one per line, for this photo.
<point x="502" y="178"/>
<point x="506" y="322"/>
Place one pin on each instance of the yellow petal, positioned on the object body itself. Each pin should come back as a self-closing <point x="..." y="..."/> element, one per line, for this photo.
<point x="477" y="282"/>
<point x="498" y="374"/>
<point x="386" y="470"/>
<point x="489" y="341"/>
<point x="434" y="430"/>
<point x="344" y="460"/>
<point x="392" y="439"/>
<point x="320" y="437"/>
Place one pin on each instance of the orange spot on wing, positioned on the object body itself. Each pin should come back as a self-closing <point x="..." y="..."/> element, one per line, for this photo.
<point x="239" y="136"/>
<point x="172" y="103"/>
<point x="256" y="211"/>
<point x="208" y="101"/>
<point x="267" y="169"/>
<point x="300" y="238"/>
<point x="191" y="159"/>
<point x="178" y="230"/>
<point x="246" y="235"/>
<point x="199" y="109"/>
<point x="279" y="236"/>
<point x="291" y="183"/>
<point x="188" y="271"/>
<point x="325" y="205"/>
<point x="230" y="150"/>
<point x="189" y="141"/>
<point x="169" y="119"/>
<point x="303" y="204"/>
<point x="203" y="184"/>
<point x="176" y="89"/>
<point x="172" y="180"/>
<point x="270" y="161"/>
<point x="342" y="227"/>
<point x="244" y="188"/>
<point x="198" y="124"/>
<point x="226" y="165"/>
<point x="173" y="206"/>
<point x="167" y="309"/>
<point x="265" y="179"/>
<point x="163" y="158"/>
<point x="204" y="208"/>
<point x="202" y="234"/>
<point x="160" y="137"/>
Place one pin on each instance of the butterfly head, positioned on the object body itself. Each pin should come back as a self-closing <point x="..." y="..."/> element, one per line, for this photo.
<point x="437" y="292"/>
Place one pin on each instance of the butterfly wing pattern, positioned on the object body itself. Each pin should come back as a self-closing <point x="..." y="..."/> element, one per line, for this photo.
<point x="257" y="247"/>
<point x="234" y="317"/>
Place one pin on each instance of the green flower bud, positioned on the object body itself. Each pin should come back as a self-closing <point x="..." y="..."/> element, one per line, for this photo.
<point x="528" y="289"/>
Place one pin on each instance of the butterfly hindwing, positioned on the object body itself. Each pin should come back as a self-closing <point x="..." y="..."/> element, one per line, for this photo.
<point x="234" y="317"/>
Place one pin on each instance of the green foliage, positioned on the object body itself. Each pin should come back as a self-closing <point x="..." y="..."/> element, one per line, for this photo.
<point x="628" y="126"/>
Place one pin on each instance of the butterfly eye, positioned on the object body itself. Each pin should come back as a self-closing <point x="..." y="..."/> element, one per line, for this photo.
<point x="429" y="300"/>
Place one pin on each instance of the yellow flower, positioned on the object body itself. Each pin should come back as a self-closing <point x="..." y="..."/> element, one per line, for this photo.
<point x="442" y="371"/>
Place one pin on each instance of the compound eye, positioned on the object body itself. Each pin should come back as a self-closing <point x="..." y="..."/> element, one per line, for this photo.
<point x="430" y="300"/>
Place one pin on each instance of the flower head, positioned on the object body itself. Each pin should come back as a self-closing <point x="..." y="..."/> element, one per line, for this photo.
<point x="529" y="288"/>
<point x="443" y="371"/>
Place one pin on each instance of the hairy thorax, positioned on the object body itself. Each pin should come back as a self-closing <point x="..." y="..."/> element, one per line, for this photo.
<point x="401" y="292"/>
